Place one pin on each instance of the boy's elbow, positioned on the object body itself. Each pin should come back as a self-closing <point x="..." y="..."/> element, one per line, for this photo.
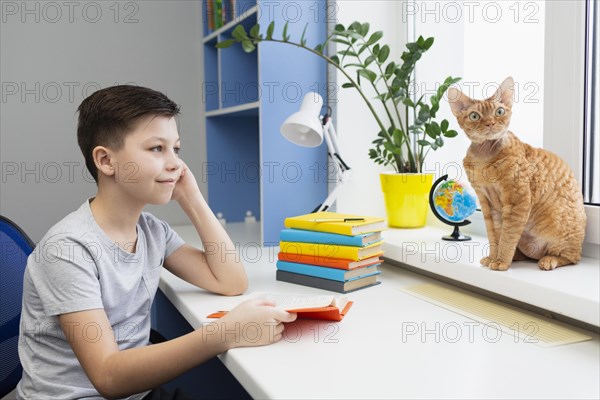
<point x="235" y="288"/>
<point x="106" y="385"/>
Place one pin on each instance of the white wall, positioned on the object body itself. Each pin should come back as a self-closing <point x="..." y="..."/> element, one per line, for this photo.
<point x="356" y="126"/>
<point x="54" y="54"/>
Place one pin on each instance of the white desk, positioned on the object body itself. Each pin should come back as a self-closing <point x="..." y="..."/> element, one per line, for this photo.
<point x="370" y="354"/>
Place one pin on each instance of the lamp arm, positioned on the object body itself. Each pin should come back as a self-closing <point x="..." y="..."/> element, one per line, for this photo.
<point x="342" y="169"/>
<point x="332" y="144"/>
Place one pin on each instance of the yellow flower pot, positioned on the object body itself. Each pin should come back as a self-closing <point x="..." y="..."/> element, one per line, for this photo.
<point x="406" y="198"/>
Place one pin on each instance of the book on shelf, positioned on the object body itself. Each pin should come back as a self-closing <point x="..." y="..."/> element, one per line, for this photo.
<point x="331" y="250"/>
<point x="328" y="273"/>
<point x="306" y="236"/>
<point x="343" y="224"/>
<point x="326" y="307"/>
<point x="329" y="262"/>
<point x="210" y="15"/>
<point x="327" y="284"/>
<point x="218" y="14"/>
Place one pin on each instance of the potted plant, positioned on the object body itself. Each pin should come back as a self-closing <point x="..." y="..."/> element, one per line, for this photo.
<point x="404" y="145"/>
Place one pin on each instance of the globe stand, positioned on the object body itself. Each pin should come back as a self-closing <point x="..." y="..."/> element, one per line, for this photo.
<point x="456" y="236"/>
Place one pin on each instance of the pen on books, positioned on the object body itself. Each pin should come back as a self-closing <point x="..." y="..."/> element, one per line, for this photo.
<point x="336" y="219"/>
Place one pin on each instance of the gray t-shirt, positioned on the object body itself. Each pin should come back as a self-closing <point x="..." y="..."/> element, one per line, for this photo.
<point x="77" y="267"/>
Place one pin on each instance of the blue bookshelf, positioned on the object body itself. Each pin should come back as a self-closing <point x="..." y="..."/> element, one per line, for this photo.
<point x="251" y="167"/>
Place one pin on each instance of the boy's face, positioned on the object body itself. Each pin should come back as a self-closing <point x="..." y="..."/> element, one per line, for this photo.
<point x="147" y="167"/>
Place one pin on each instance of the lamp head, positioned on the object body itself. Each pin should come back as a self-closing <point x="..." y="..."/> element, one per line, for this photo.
<point x="304" y="128"/>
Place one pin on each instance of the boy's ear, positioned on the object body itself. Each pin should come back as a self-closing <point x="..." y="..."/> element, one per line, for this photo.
<point x="102" y="159"/>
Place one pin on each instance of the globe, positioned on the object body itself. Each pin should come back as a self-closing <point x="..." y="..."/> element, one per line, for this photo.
<point x="454" y="201"/>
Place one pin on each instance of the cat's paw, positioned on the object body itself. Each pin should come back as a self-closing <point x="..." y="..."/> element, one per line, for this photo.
<point x="548" y="263"/>
<point x="497" y="265"/>
<point x="485" y="261"/>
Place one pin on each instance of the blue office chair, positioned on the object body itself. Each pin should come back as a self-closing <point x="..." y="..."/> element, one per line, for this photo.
<point x="15" y="247"/>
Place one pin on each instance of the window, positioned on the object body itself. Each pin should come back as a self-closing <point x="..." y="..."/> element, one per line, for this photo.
<point x="591" y="138"/>
<point x="542" y="45"/>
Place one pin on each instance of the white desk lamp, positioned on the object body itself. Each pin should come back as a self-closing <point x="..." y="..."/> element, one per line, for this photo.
<point x="307" y="128"/>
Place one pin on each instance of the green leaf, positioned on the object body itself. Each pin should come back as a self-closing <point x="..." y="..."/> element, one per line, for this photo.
<point x="270" y="30"/>
<point x="239" y="32"/>
<point x="225" y="43"/>
<point x="347" y="85"/>
<point x="364" y="29"/>
<point x="435" y="128"/>
<point x="439" y="141"/>
<point x="254" y="31"/>
<point x="376" y="49"/>
<point x="375" y="37"/>
<point x="354" y="65"/>
<point x="341" y="41"/>
<point x="356" y="27"/>
<point x="248" y="46"/>
<point x="335" y="60"/>
<point x="451" y="134"/>
<point x="285" y="35"/>
<point x="302" y="39"/>
<point x="444" y="126"/>
<point x="391" y="148"/>
<point x="429" y="131"/>
<point x="348" y="53"/>
<point x="398" y="137"/>
<point x="367" y="73"/>
<point x="339" y="28"/>
<point x="390" y="68"/>
<point x="369" y="60"/>
<point x="383" y="54"/>
<point x="423" y="142"/>
<point x="354" y="35"/>
<point x="319" y="48"/>
<point x="428" y="43"/>
<point x="408" y="102"/>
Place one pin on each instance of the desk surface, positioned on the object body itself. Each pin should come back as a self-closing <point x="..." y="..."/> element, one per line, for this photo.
<point x="373" y="352"/>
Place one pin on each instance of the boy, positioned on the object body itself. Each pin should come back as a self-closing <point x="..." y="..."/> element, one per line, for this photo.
<point x="89" y="285"/>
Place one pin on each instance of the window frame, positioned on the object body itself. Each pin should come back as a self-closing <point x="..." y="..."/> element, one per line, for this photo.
<point x="564" y="91"/>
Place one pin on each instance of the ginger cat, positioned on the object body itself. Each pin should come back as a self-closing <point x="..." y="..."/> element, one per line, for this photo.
<point x="531" y="202"/>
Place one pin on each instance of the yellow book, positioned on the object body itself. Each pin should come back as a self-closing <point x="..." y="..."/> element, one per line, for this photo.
<point x="343" y="224"/>
<point x="331" y="250"/>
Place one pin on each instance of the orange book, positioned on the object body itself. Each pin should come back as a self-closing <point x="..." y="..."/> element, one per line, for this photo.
<point x="324" y="307"/>
<point x="329" y="262"/>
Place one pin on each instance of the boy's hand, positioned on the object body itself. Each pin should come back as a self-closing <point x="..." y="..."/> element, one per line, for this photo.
<point x="254" y="322"/>
<point x="186" y="186"/>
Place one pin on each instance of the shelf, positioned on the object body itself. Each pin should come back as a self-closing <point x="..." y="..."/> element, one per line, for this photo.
<point x="245" y="17"/>
<point x="243" y="110"/>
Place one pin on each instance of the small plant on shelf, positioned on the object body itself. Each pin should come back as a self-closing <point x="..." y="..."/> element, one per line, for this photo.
<point x="363" y="61"/>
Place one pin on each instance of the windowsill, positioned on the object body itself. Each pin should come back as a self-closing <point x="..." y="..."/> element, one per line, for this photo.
<point x="571" y="291"/>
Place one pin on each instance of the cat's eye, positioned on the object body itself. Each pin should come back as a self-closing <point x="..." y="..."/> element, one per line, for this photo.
<point x="474" y="116"/>
<point x="500" y="112"/>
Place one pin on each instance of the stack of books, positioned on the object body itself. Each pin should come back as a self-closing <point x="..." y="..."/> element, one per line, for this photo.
<point x="331" y="251"/>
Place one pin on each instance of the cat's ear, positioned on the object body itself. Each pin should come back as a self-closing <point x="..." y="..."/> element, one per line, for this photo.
<point x="458" y="101"/>
<point x="505" y="92"/>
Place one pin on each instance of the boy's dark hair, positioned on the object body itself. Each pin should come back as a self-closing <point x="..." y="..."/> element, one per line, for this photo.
<point x="109" y="115"/>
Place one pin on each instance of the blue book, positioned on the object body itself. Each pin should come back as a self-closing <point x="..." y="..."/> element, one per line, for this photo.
<point x="334" y="274"/>
<point x="305" y="236"/>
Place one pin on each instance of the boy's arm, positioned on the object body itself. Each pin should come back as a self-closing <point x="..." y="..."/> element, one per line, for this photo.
<point x="218" y="268"/>
<point x="118" y="373"/>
